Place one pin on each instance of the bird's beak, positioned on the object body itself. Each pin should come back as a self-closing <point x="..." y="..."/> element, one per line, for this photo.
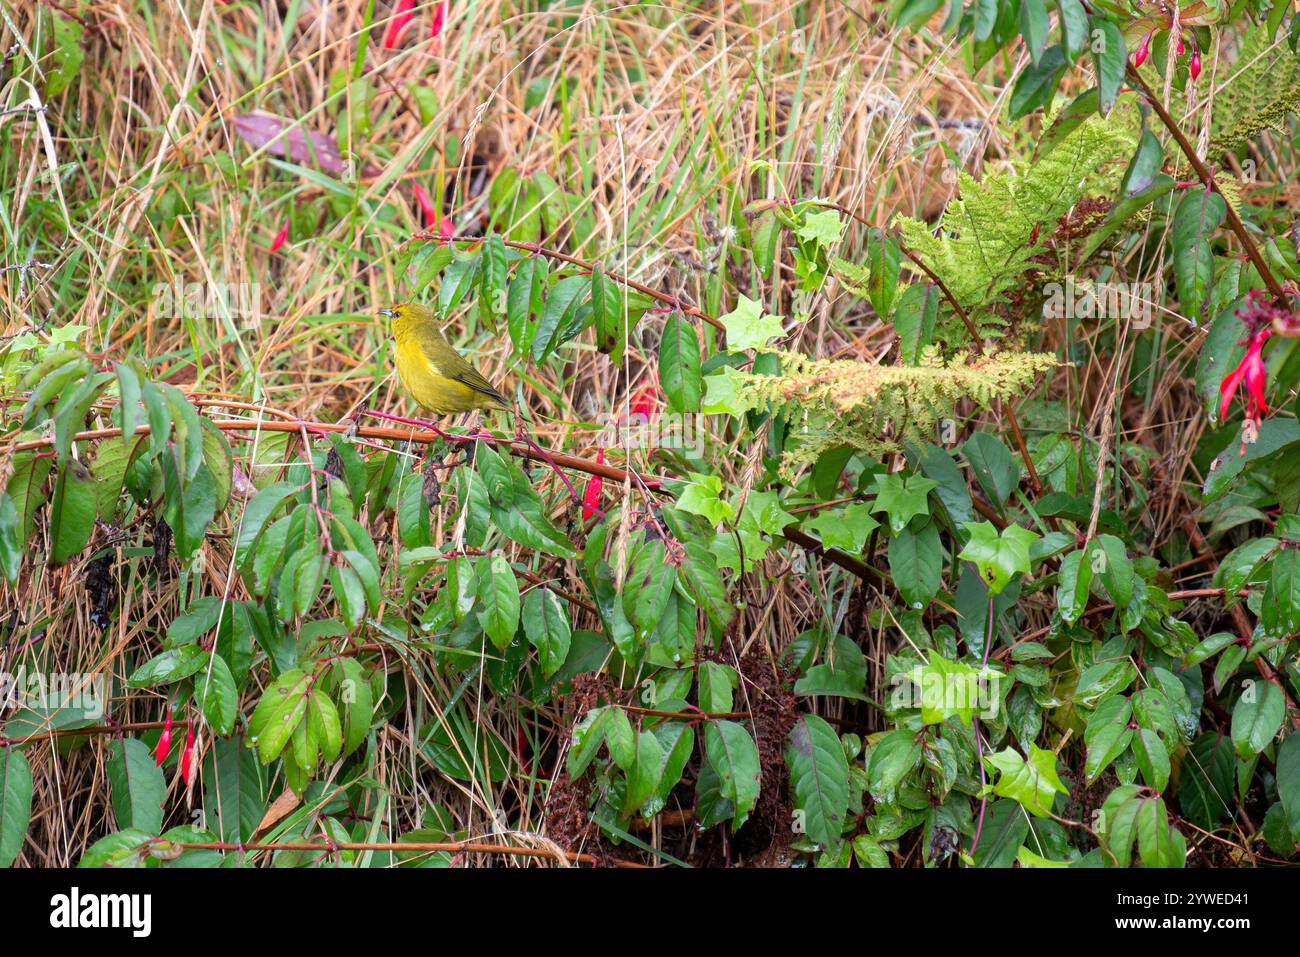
<point x="388" y="313"/>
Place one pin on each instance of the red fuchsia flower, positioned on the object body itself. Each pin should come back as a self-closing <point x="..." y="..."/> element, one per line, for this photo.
<point x="1259" y="316"/>
<point x="187" y="756"/>
<point x="591" y="494"/>
<point x="427" y="210"/>
<point x="402" y="14"/>
<point x="1194" y="65"/>
<point x="1182" y="47"/>
<point x="280" y="237"/>
<point x="439" y="18"/>
<point x="446" y="228"/>
<point x="165" y="740"/>
<point x="1143" y="51"/>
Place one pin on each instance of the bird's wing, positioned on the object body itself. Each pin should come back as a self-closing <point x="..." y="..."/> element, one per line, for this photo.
<point x="453" y="366"/>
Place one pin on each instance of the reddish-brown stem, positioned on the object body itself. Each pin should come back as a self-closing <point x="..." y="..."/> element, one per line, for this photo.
<point x="1207" y="178"/>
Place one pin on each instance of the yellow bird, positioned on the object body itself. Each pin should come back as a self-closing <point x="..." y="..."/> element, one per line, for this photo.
<point x="433" y="372"/>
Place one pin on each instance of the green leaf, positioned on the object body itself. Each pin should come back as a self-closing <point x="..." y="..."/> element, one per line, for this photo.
<point x="120" y="849"/>
<point x="1031" y="783"/>
<point x="11" y="547"/>
<point x="731" y="753"/>
<point x="702" y="497"/>
<point x="1074" y="28"/>
<point x="1239" y="566"/>
<point x="884" y="259"/>
<point x="819" y="774"/>
<point x="902" y="498"/>
<point x="949" y="688"/>
<point x="748" y="327"/>
<point x="561" y="302"/>
<point x="256" y="514"/>
<point x="588" y="735"/>
<point x="278" y="714"/>
<point x="1152" y="758"/>
<point x="716" y="683"/>
<point x="844" y="674"/>
<point x="916" y="564"/>
<point x="1033" y="27"/>
<point x="525" y="300"/>
<point x="993" y="466"/>
<point x="679" y="364"/>
<point x="1110" y="56"/>
<point x="893" y="757"/>
<point x="1257" y="717"/>
<point x="171" y="666"/>
<point x="1036" y="86"/>
<point x="516" y="507"/>
<point x="27" y="489"/>
<point x="915" y="318"/>
<point x="546" y="623"/>
<point x="498" y="593"/>
<point x="217" y="696"/>
<point x="67" y="58"/>
<point x="845" y="528"/>
<point x="494" y="274"/>
<point x="1072" y="592"/>
<point x="137" y="786"/>
<point x="1198" y="216"/>
<point x="72" y="510"/>
<point x="998" y="557"/>
<point x="1107" y="735"/>
<point x="643" y="778"/>
<point x="15" y="803"/>
<point x="1004" y="832"/>
<point x="234" y="790"/>
<point x="822" y="228"/>
<point x="1110" y="559"/>
<point x="1288" y="780"/>
<point x="1159" y="844"/>
<point x="1280" y="607"/>
<point x="326" y="728"/>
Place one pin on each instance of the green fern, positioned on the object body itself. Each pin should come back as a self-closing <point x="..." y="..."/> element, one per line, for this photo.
<point x="986" y="239"/>
<point x="1263" y="88"/>
<point x="872" y="408"/>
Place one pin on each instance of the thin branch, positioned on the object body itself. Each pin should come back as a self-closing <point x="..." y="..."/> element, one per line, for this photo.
<point x="1207" y="179"/>
<point x="574" y="462"/>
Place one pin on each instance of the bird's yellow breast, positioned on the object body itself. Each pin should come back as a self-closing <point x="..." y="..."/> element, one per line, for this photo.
<point x="430" y="388"/>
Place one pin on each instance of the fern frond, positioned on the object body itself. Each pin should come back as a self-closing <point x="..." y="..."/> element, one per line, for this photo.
<point x="1262" y="90"/>
<point x="983" y="243"/>
<point x="872" y="408"/>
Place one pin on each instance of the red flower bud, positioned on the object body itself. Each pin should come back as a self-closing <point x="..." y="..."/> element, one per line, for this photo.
<point x="1182" y="47"/>
<point x="280" y="237"/>
<point x="439" y="18"/>
<point x="402" y="14"/>
<point x="1194" y="67"/>
<point x="1143" y="51"/>
<point x="165" y="740"/>
<point x="187" y="756"/>
<point x="427" y="209"/>
<point x="591" y="494"/>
